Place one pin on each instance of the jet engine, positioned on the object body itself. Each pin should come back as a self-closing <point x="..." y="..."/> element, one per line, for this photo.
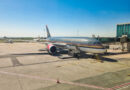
<point x="51" y="49"/>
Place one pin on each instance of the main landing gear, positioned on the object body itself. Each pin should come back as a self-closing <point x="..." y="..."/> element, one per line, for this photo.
<point x="74" y="53"/>
<point x="98" y="58"/>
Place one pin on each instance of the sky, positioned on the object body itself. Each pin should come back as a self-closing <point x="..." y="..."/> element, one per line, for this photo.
<point x="27" y="18"/>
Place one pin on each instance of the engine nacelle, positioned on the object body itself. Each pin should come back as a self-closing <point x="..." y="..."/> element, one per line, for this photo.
<point x="51" y="49"/>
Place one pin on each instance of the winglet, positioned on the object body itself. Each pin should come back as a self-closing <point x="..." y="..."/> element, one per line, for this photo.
<point x="48" y="33"/>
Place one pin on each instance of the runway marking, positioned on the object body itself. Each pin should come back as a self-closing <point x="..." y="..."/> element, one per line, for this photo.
<point x="15" y="61"/>
<point x="54" y="80"/>
<point x="121" y="86"/>
<point x="67" y="82"/>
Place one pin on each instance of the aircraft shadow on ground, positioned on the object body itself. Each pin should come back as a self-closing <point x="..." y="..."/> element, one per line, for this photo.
<point x="84" y="56"/>
<point x="22" y="54"/>
<point x="110" y="53"/>
<point x="45" y="62"/>
<point x="101" y="58"/>
<point x="62" y="53"/>
<point x="108" y="59"/>
<point x="42" y="50"/>
<point x="66" y="58"/>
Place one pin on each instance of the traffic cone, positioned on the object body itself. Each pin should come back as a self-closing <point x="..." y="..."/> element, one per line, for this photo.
<point x="58" y="81"/>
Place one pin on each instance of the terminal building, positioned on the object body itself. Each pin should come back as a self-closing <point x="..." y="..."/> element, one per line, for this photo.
<point x="123" y="29"/>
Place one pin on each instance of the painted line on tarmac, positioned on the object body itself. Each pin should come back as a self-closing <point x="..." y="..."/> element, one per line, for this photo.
<point x="15" y="61"/>
<point x="121" y="86"/>
<point x="66" y="82"/>
<point x="54" y="80"/>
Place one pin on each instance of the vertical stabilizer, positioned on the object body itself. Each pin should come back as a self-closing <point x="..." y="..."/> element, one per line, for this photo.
<point x="48" y="33"/>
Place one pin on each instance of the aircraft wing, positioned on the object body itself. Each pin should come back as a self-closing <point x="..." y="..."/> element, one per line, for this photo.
<point x="63" y="45"/>
<point x="60" y="45"/>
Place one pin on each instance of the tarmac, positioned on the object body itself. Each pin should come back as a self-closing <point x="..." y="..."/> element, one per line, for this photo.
<point x="27" y="66"/>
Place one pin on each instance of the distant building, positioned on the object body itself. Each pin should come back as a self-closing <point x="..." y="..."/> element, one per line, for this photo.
<point x="123" y="29"/>
<point x="106" y="39"/>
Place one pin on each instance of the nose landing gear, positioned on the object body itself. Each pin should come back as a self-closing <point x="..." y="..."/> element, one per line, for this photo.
<point x="98" y="58"/>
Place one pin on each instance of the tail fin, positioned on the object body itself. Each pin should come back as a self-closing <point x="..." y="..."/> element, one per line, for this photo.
<point x="48" y="33"/>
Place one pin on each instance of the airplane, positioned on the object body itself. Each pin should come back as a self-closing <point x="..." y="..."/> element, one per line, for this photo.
<point x="74" y="45"/>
